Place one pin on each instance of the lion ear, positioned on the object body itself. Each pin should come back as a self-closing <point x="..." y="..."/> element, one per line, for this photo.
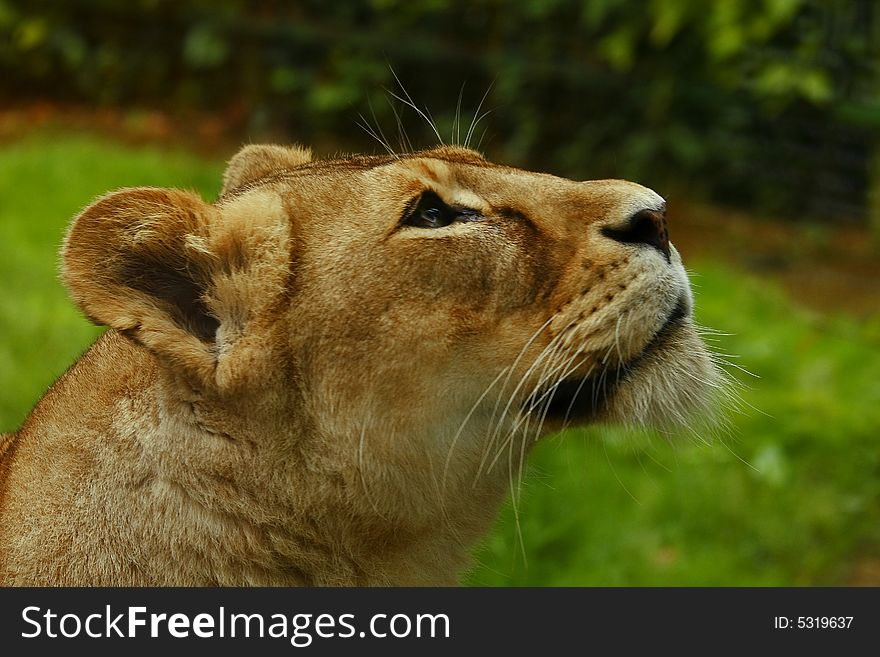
<point x="258" y="161"/>
<point x="135" y="261"/>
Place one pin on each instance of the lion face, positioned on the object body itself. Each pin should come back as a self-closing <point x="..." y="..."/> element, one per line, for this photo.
<point x="430" y="280"/>
<point x="435" y="305"/>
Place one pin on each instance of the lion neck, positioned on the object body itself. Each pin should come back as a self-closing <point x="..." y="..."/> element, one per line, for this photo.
<point x="252" y="489"/>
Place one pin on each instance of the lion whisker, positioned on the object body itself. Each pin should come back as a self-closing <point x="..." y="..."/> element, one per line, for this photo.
<point x="547" y="352"/>
<point x="370" y="131"/>
<point x="512" y="366"/>
<point x="409" y="101"/>
<point x="475" y="120"/>
<point x="464" y="423"/>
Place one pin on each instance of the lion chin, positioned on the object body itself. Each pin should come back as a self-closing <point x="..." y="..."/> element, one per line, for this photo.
<point x="672" y="382"/>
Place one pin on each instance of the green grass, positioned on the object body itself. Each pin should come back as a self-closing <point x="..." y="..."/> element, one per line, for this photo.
<point x="788" y="496"/>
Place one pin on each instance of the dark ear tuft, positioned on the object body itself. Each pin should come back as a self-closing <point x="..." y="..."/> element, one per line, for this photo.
<point x="178" y="289"/>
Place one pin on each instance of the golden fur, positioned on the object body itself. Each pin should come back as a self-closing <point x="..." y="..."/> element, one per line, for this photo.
<point x="299" y="388"/>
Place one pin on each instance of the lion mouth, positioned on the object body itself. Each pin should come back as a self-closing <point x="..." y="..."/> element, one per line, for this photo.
<point x="581" y="400"/>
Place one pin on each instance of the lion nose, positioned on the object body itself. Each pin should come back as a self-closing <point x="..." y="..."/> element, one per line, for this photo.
<point x="644" y="227"/>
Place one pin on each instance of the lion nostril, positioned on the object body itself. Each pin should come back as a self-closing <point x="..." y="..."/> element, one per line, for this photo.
<point x="644" y="227"/>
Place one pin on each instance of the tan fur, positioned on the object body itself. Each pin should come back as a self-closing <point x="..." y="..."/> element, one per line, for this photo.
<point x="295" y="388"/>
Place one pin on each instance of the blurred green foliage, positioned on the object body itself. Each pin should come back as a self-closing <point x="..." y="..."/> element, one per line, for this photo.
<point x="787" y="495"/>
<point x="763" y="103"/>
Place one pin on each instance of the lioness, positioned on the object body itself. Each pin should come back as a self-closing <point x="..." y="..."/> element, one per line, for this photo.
<point x="331" y="375"/>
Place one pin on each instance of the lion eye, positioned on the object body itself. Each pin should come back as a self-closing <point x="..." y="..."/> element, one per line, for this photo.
<point x="430" y="211"/>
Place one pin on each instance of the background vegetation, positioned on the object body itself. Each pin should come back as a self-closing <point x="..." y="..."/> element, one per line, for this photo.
<point x="767" y="102"/>
<point x="768" y="105"/>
